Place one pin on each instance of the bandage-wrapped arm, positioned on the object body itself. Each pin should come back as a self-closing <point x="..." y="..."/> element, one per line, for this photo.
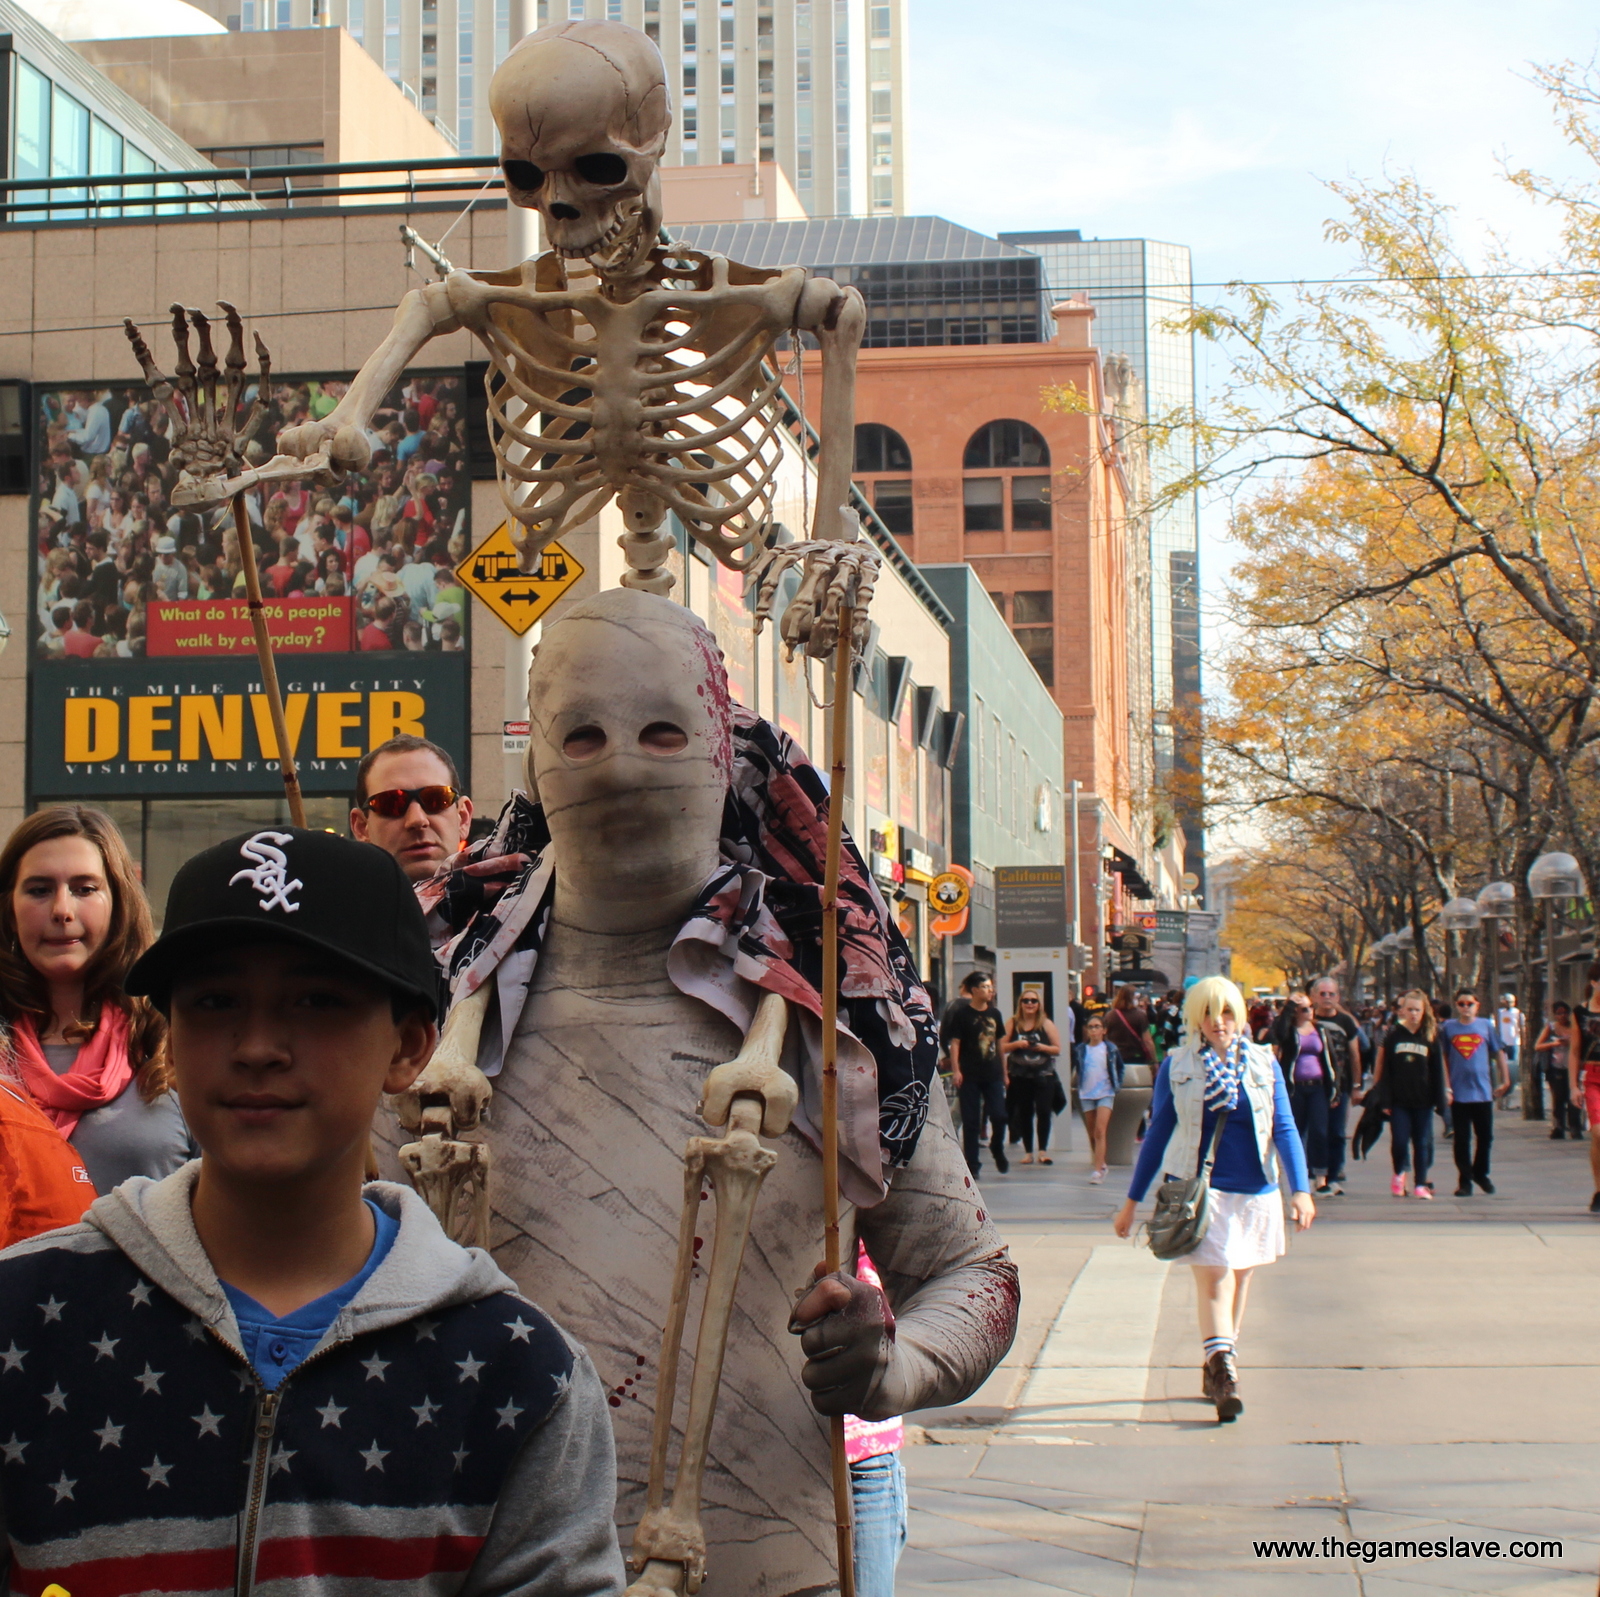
<point x="947" y="1275"/>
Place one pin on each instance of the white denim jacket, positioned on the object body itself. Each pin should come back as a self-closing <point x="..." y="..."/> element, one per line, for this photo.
<point x="1186" y="1075"/>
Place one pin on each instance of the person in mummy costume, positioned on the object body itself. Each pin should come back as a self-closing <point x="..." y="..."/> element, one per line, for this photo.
<point x="659" y="883"/>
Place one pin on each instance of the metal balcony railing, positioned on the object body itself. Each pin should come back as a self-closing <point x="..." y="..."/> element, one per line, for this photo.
<point x="161" y="196"/>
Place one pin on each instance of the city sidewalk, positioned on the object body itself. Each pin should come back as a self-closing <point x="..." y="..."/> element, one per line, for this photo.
<point x="1410" y="1371"/>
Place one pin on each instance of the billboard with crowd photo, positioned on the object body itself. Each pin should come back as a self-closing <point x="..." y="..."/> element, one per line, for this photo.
<point x="358" y="575"/>
<point x="365" y="565"/>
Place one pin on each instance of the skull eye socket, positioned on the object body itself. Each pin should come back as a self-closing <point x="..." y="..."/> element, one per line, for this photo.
<point x="662" y="737"/>
<point x="605" y="171"/>
<point x="522" y="175"/>
<point x="583" y="742"/>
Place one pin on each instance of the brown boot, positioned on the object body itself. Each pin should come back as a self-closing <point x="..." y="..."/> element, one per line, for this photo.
<point x="1205" y="1380"/>
<point x="1224" y="1387"/>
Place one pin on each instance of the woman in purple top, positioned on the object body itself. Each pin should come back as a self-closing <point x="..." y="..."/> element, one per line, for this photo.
<point x="1219" y="1070"/>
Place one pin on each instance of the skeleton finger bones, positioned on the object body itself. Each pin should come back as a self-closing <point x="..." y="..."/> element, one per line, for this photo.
<point x="749" y="1094"/>
<point x="208" y="444"/>
<point x="833" y="573"/>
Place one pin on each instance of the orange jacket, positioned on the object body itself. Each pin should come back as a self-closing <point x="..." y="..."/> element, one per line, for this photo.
<point x="43" y="1183"/>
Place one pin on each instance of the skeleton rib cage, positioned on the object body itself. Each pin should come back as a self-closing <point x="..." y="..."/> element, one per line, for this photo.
<point x="670" y="403"/>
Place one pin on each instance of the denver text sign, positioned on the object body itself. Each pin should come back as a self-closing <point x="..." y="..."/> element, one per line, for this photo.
<point x="1030" y="906"/>
<point x="152" y="728"/>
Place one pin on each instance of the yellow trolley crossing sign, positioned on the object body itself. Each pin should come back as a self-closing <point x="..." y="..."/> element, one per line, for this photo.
<point x="494" y="573"/>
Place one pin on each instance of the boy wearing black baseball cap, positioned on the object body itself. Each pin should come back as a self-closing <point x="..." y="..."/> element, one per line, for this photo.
<point x="257" y="1372"/>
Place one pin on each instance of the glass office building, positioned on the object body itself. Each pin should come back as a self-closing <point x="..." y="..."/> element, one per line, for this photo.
<point x="1137" y="286"/>
<point x="925" y="280"/>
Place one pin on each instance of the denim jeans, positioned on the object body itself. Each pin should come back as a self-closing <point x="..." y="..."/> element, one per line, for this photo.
<point x="1411" y="1136"/>
<point x="975" y="1098"/>
<point x="1309" y="1102"/>
<point x="878" y="1497"/>
<point x="1337" y="1114"/>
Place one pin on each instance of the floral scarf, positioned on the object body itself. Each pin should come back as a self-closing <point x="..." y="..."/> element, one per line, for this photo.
<point x="757" y="923"/>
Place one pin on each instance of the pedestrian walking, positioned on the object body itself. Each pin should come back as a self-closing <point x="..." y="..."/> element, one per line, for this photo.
<point x="1128" y="1026"/>
<point x="978" y="1068"/>
<point x="1478" y="1078"/>
<point x="1306" y="1050"/>
<point x="1031" y="1047"/>
<point x="1218" y="1076"/>
<point x="1510" y="1025"/>
<point x="1584" y="1068"/>
<point x="1332" y="1016"/>
<point x="1552" y="1050"/>
<point x="1409" y="1078"/>
<point x="1097" y="1075"/>
<point x="73" y="919"/>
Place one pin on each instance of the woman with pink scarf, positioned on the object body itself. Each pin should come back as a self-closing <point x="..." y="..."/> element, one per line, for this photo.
<point x="73" y="918"/>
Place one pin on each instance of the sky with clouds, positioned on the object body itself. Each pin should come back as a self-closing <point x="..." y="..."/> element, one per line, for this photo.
<point x="1217" y="123"/>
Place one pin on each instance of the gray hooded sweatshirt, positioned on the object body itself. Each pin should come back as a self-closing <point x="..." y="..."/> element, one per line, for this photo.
<point x="444" y="1436"/>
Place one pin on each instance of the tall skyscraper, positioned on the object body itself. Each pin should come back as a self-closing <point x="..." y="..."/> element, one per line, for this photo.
<point x="1137" y="286"/>
<point x="817" y="86"/>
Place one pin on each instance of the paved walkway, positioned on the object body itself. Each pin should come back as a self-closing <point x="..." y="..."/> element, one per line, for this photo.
<point x="1411" y="1371"/>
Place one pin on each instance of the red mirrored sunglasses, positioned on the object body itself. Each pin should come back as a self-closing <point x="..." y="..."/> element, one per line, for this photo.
<point x="393" y="803"/>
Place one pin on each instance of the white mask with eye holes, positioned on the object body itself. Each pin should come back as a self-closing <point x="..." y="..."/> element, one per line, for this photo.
<point x="629" y="752"/>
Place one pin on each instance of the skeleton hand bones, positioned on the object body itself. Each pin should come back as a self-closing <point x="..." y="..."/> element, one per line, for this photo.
<point x="207" y="444"/>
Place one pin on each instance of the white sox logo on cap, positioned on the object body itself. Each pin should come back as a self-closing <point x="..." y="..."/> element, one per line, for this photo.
<point x="269" y="876"/>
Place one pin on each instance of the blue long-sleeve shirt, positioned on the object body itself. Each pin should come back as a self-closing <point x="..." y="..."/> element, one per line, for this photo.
<point x="1238" y="1165"/>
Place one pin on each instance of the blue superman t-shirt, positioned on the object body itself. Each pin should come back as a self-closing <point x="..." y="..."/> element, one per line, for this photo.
<point x="1467" y="1050"/>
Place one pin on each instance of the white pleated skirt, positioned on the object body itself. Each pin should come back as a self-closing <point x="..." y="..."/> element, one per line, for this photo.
<point x="1246" y="1230"/>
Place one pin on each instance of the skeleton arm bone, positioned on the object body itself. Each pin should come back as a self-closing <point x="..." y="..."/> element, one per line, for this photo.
<point x="422" y="315"/>
<point x="838" y="317"/>
<point x="949" y="1281"/>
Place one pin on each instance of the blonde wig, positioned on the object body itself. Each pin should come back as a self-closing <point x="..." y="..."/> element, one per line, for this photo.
<point x="1211" y="996"/>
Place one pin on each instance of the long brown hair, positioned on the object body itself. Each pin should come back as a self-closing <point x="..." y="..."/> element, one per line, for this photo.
<point x="23" y="992"/>
<point x="1430" y="1021"/>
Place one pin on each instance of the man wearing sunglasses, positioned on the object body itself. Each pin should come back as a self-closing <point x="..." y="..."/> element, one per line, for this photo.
<point x="1478" y="1076"/>
<point x="409" y="803"/>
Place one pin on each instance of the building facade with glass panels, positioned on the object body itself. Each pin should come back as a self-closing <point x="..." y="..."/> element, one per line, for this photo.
<point x="66" y="119"/>
<point x="818" y="86"/>
<point x="1137" y="287"/>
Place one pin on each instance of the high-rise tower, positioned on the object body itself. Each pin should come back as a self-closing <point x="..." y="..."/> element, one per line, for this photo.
<point x="816" y="85"/>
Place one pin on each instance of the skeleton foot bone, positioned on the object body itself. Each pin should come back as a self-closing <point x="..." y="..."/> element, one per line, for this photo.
<point x="749" y="1094"/>
<point x="452" y="1096"/>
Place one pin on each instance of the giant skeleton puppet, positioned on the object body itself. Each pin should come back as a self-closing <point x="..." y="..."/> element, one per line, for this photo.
<point x="634" y="955"/>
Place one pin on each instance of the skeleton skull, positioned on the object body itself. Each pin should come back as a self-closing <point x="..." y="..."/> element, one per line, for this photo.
<point x="583" y="113"/>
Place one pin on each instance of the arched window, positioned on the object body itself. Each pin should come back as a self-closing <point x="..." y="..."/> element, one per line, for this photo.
<point x="1001" y="446"/>
<point x="880" y="448"/>
<point x="1012" y="447"/>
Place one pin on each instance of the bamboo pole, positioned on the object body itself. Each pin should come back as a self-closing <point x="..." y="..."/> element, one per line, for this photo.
<point x="269" y="667"/>
<point x="830" y="1060"/>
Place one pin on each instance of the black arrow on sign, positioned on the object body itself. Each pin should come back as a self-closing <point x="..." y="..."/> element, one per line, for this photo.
<point x="527" y="596"/>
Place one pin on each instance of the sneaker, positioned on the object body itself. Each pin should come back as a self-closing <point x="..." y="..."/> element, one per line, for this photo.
<point x="1558" y="1135"/>
<point x="1097" y="1178"/>
<point x="1485" y="1184"/>
<point x="1397" y="1187"/>
<point x="1464" y="1191"/>
<point x="1424" y="1190"/>
<point x="1334" y="1190"/>
<point x="1594" y="1204"/>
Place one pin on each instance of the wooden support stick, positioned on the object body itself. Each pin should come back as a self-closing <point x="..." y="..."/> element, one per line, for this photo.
<point x="843" y="659"/>
<point x="269" y="668"/>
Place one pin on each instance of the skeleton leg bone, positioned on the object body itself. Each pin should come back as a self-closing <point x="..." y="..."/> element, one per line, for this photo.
<point x="452" y="1096"/>
<point x="749" y="1094"/>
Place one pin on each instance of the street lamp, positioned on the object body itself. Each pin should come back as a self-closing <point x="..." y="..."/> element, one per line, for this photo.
<point x="1383" y="952"/>
<point x="1498" y="902"/>
<point x="1459" y="915"/>
<point x="1552" y="878"/>
<point x="1402" y="942"/>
